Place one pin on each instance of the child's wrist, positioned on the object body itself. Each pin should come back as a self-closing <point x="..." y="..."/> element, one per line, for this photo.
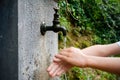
<point x="86" y="61"/>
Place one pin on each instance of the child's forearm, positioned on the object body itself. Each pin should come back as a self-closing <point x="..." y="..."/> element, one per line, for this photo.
<point x="102" y="50"/>
<point x="108" y="64"/>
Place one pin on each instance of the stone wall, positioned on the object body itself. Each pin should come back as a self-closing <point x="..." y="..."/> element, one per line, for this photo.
<point x="35" y="50"/>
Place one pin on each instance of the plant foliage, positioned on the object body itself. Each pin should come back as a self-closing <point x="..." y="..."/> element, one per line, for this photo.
<point x="90" y="22"/>
<point x="99" y="16"/>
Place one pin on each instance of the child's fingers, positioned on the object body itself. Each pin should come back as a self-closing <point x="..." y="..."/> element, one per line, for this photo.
<point x="50" y="67"/>
<point x="62" y="57"/>
<point x="53" y="65"/>
<point x="58" y="70"/>
<point x="61" y="72"/>
<point x="54" y="68"/>
<point x="57" y="60"/>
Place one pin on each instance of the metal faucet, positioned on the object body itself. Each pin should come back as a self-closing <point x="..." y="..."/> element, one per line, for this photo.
<point x="56" y="25"/>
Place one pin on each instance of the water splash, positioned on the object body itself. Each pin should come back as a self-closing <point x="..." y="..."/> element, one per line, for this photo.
<point x="65" y="76"/>
<point x="64" y="43"/>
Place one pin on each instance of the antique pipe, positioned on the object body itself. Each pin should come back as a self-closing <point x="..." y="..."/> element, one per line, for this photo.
<point x="56" y="25"/>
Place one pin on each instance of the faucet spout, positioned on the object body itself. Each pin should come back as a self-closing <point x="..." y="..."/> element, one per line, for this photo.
<point x="55" y="29"/>
<point x="60" y="29"/>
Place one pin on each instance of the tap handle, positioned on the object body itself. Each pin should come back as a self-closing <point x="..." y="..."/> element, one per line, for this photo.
<point x="56" y="17"/>
<point x="56" y="10"/>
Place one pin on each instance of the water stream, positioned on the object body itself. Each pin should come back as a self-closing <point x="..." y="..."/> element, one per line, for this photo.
<point x="64" y="43"/>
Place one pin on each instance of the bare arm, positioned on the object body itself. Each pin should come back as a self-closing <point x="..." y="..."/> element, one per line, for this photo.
<point x="102" y="50"/>
<point x="108" y="64"/>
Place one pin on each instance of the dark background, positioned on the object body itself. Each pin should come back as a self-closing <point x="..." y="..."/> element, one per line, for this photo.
<point x="8" y="40"/>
